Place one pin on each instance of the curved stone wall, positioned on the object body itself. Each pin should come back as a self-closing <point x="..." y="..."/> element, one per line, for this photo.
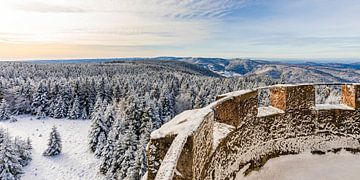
<point x="192" y="146"/>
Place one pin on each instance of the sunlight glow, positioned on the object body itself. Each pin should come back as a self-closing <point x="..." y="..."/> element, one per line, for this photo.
<point x="228" y="28"/>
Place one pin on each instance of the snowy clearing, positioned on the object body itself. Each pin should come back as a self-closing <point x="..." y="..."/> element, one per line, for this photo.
<point x="306" y="166"/>
<point x="74" y="162"/>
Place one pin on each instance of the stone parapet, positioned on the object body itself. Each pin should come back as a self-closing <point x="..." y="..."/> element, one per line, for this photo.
<point x="297" y="125"/>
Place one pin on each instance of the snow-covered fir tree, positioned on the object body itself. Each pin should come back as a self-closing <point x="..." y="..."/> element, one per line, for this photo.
<point x="10" y="166"/>
<point x="75" y="112"/>
<point x="4" y="110"/>
<point x="124" y="152"/>
<point x="14" y="154"/>
<point x="145" y="130"/>
<point x="110" y="117"/>
<point x="40" y="101"/>
<point x="84" y="114"/>
<point x="98" y="125"/>
<point x="54" y="144"/>
<point x="3" y="135"/>
<point x="23" y="149"/>
<point x="107" y="153"/>
<point x="167" y="106"/>
<point x="101" y="142"/>
<point x="59" y="109"/>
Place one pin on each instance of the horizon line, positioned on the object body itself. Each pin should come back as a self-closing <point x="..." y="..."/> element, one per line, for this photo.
<point x="351" y="60"/>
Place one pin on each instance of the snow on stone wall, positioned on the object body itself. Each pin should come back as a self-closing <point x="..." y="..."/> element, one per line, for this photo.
<point x="190" y="146"/>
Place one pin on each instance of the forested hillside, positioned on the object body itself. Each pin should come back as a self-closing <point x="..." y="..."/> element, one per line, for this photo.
<point x="125" y="101"/>
<point x="286" y="71"/>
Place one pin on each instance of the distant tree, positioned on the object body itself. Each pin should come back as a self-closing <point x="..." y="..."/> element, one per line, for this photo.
<point x="84" y="114"/>
<point x="167" y="106"/>
<point x="40" y="104"/>
<point x="109" y="116"/>
<point x="22" y="103"/>
<point x="54" y="144"/>
<point x="59" y="109"/>
<point x="91" y="98"/>
<point x="67" y="99"/>
<point x="4" y="110"/>
<point x="75" y="112"/>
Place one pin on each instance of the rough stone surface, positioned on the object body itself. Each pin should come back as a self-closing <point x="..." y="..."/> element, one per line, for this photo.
<point x="156" y="152"/>
<point x="254" y="140"/>
<point x="292" y="97"/>
<point x="235" y="110"/>
<point x="202" y="145"/>
<point x="185" y="163"/>
<point x="278" y="97"/>
<point x="351" y="95"/>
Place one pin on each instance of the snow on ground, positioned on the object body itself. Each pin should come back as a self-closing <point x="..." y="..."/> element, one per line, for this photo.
<point x="332" y="106"/>
<point x="267" y="111"/>
<point x="75" y="162"/>
<point x="220" y="131"/>
<point x="305" y="166"/>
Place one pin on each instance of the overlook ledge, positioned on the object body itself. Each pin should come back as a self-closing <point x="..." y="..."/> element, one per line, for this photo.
<point x="233" y="133"/>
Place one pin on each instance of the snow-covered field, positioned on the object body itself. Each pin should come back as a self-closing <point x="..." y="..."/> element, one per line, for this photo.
<point x="344" y="166"/>
<point x="75" y="162"/>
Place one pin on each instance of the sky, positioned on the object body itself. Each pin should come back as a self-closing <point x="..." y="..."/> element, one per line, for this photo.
<point x="278" y="29"/>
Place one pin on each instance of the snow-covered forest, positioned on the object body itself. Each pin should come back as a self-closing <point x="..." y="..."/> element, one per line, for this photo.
<point x="124" y="101"/>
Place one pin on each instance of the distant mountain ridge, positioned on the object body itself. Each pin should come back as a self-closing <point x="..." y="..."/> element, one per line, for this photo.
<point x="287" y="72"/>
<point x="283" y="71"/>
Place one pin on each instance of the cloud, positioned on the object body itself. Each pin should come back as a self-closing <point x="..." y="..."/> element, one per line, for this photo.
<point x="118" y="22"/>
<point x="46" y="7"/>
<point x="198" y="27"/>
<point x="191" y="9"/>
<point x="183" y="9"/>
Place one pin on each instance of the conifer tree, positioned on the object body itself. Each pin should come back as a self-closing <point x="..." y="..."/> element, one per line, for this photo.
<point x="10" y="167"/>
<point x="91" y="97"/>
<point x="109" y="117"/>
<point x="40" y="104"/>
<point x="54" y="144"/>
<point x="3" y="135"/>
<point x="59" y="108"/>
<point x="75" y="112"/>
<point x="167" y="106"/>
<point x="4" y="110"/>
<point x="23" y="149"/>
<point x="84" y="114"/>
<point x="98" y="125"/>
<point x="66" y="99"/>
<point x="106" y="155"/>
<point x="100" y="144"/>
<point x="124" y="152"/>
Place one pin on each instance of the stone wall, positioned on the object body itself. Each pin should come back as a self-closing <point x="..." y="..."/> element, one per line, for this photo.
<point x="299" y="126"/>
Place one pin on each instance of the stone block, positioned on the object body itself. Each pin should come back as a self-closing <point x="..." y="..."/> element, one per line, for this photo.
<point x="351" y="95"/>
<point x="289" y="97"/>
<point x="233" y="111"/>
